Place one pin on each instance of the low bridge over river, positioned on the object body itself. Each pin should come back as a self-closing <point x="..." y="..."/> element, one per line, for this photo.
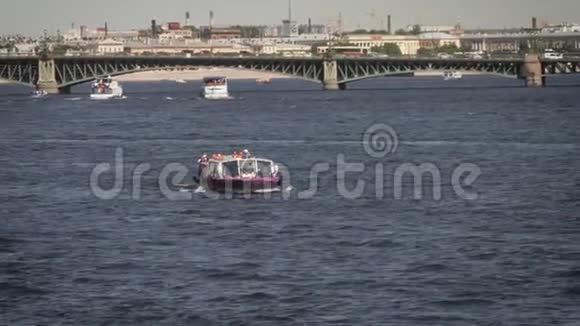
<point x="58" y="74"/>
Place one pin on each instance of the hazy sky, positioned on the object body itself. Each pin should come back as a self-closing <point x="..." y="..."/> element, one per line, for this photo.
<point x="31" y="16"/>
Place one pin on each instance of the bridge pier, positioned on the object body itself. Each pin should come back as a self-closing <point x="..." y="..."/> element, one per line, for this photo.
<point x="532" y="72"/>
<point x="47" y="78"/>
<point x="333" y="86"/>
<point x="330" y="81"/>
<point x="52" y="88"/>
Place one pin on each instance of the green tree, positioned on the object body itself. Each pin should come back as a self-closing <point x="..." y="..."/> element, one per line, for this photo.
<point x="401" y="31"/>
<point x="425" y="52"/>
<point x="390" y="49"/>
<point x="249" y="31"/>
<point x="360" y="31"/>
<point x="416" y="30"/>
<point x="448" y="48"/>
<point x="371" y="31"/>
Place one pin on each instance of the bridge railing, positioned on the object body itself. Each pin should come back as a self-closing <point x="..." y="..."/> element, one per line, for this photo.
<point x="250" y="56"/>
<point x="17" y="55"/>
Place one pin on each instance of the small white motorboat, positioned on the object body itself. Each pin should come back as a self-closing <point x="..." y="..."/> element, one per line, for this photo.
<point x="39" y="93"/>
<point x="215" y="88"/>
<point x="264" y="81"/>
<point x="452" y="75"/>
<point x="105" y="89"/>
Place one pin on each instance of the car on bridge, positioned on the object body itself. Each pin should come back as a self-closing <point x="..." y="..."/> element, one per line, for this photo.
<point x="444" y="56"/>
<point x="552" y="55"/>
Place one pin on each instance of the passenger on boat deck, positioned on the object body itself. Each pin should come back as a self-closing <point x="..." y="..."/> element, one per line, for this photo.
<point x="246" y="154"/>
<point x="203" y="160"/>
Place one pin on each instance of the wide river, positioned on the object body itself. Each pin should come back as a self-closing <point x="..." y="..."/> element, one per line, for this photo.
<point x="488" y="234"/>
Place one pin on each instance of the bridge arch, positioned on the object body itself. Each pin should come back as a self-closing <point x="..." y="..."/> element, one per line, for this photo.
<point x="74" y="72"/>
<point x="352" y="70"/>
<point x="19" y="70"/>
<point x="127" y="72"/>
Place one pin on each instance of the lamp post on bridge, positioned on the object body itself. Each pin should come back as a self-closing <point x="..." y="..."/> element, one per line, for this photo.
<point x="532" y="70"/>
<point x="330" y="72"/>
<point x="47" y="71"/>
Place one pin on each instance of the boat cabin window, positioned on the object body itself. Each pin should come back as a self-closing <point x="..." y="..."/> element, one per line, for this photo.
<point x="231" y="169"/>
<point x="264" y="169"/>
<point x="248" y="168"/>
<point x="245" y="168"/>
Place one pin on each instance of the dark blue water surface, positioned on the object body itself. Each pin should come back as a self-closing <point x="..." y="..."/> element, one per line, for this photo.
<point x="511" y="256"/>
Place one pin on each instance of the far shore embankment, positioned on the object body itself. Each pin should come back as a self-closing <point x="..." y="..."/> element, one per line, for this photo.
<point x="230" y="73"/>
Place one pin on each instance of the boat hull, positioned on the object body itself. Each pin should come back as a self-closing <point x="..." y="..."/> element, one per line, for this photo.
<point x="215" y="92"/>
<point x="103" y="96"/>
<point x="115" y="93"/>
<point x="452" y="76"/>
<point x="39" y="94"/>
<point x="242" y="186"/>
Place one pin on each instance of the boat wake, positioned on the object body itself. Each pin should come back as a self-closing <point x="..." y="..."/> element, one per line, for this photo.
<point x="193" y="188"/>
<point x="198" y="190"/>
<point x="268" y="191"/>
<point x="275" y="190"/>
<point x="225" y="98"/>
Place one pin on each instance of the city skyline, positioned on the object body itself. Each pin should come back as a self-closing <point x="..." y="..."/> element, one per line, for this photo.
<point x="131" y="14"/>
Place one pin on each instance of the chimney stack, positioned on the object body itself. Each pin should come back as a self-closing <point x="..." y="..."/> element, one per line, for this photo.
<point x="153" y="29"/>
<point x="309" y="26"/>
<point x="106" y="30"/>
<point x="389" y="26"/>
<point x="534" y="23"/>
<point x="187" y="18"/>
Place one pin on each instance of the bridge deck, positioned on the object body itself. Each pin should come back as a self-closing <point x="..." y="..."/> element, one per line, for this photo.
<point x="67" y="71"/>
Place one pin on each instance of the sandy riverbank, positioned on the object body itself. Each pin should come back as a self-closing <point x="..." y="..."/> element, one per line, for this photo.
<point x="233" y="73"/>
<point x="230" y="73"/>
